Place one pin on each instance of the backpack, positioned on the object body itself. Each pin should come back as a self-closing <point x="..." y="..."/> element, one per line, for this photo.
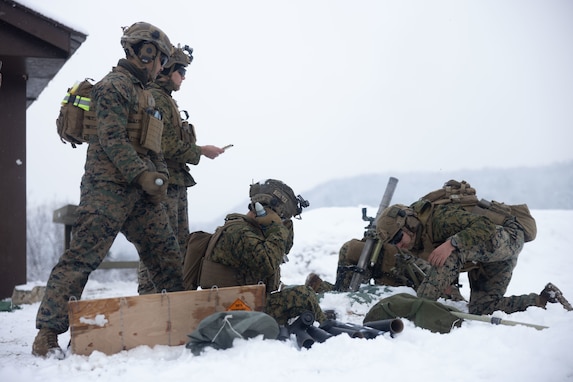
<point x="220" y="329"/>
<point x="463" y="194"/>
<point x="197" y="247"/>
<point x="76" y="122"/>
<point x="454" y="192"/>
<point x="200" y="244"/>
<point x="424" y="313"/>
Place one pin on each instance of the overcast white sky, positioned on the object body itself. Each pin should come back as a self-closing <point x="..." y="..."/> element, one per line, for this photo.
<point x="310" y="90"/>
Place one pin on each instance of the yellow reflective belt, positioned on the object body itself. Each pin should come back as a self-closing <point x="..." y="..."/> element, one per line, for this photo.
<point x="81" y="102"/>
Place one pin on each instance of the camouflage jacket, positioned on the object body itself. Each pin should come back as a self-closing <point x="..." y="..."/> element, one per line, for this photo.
<point x="110" y="155"/>
<point x="441" y="222"/>
<point x="179" y="147"/>
<point x="253" y="253"/>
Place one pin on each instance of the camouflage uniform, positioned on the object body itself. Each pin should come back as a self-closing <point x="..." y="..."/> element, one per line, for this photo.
<point x="179" y="148"/>
<point x="389" y="269"/>
<point x="112" y="202"/>
<point x="254" y="254"/>
<point x="493" y="247"/>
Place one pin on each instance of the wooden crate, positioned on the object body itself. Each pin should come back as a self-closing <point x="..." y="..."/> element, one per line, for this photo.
<point x="111" y="325"/>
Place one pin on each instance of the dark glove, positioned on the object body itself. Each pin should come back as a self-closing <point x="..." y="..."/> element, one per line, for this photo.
<point x="270" y="218"/>
<point x="288" y="223"/>
<point x="154" y="184"/>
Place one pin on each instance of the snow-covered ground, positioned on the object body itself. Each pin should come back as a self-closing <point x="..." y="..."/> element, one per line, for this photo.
<point x="475" y="352"/>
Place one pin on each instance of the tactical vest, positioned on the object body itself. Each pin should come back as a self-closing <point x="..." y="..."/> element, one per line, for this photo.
<point x="186" y="133"/>
<point x="424" y="209"/>
<point x="186" y="130"/>
<point x="423" y="213"/>
<point x="463" y="195"/>
<point x="144" y="128"/>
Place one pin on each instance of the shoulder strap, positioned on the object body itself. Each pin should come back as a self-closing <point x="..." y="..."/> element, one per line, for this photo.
<point x="213" y="241"/>
<point x="424" y="210"/>
<point x="175" y="117"/>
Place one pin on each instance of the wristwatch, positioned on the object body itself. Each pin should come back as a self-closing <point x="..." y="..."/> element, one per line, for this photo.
<point x="454" y="242"/>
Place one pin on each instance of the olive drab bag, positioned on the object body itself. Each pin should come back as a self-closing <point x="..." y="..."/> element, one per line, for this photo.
<point x="424" y="313"/>
<point x="200" y="245"/>
<point x="464" y="195"/>
<point x="197" y="244"/>
<point x="76" y="122"/>
<point x="219" y="330"/>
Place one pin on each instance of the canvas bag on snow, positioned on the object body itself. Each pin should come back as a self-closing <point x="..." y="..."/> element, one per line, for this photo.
<point x="424" y="313"/>
<point x="463" y="194"/>
<point x="220" y="329"/>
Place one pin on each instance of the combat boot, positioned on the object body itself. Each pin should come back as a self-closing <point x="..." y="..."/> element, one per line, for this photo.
<point x="453" y="293"/>
<point x="553" y="295"/>
<point x="313" y="281"/>
<point x="317" y="284"/>
<point x="46" y="345"/>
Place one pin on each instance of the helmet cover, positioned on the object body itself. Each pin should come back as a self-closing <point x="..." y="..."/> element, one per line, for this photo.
<point x="180" y="58"/>
<point x="145" y="32"/>
<point x="277" y="196"/>
<point x="393" y="219"/>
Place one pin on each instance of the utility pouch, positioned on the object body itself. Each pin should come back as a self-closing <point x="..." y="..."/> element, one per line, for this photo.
<point x="188" y="133"/>
<point x="151" y="131"/>
<point x="69" y="124"/>
<point x="495" y="211"/>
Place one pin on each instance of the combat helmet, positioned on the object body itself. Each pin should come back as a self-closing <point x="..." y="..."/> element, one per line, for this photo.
<point x="277" y="196"/>
<point x="393" y="219"/>
<point x="139" y="40"/>
<point x="180" y="57"/>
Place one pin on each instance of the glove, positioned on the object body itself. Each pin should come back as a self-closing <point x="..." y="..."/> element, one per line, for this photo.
<point x="288" y="223"/>
<point x="270" y="218"/>
<point x="149" y="180"/>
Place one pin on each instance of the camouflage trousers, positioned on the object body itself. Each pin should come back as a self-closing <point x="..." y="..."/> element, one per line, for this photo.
<point x="291" y="301"/>
<point x="177" y="211"/>
<point x="390" y="268"/>
<point x="489" y="282"/>
<point x="106" y="209"/>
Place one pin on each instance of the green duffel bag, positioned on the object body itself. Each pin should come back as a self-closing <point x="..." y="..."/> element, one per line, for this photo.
<point x="424" y="313"/>
<point x="219" y="330"/>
